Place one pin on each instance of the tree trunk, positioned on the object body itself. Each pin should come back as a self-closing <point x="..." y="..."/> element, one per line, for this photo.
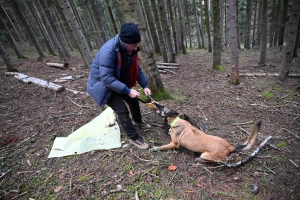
<point x="248" y="24"/>
<point x="188" y="26"/>
<point x="291" y="40"/>
<point x="167" y="31"/>
<point x="118" y="10"/>
<point x="152" y="27"/>
<point x="99" y="20"/>
<point x="133" y="13"/>
<point x="181" y="22"/>
<point x="7" y="59"/>
<point x="11" y="24"/>
<point x="45" y="34"/>
<point x="202" y="28"/>
<point x="272" y="24"/>
<point x="259" y="24"/>
<point x="173" y="25"/>
<point x="222" y="14"/>
<point x="10" y="38"/>
<point x="30" y="32"/>
<point x="264" y="40"/>
<point x="237" y="23"/>
<point x="76" y="31"/>
<point x="60" y="43"/>
<point x="217" y="34"/>
<point x="278" y="6"/>
<point x="116" y="30"/>
<point x="254" y="24"/>
<point x="159" y="31"/>
<point x="295" y="54"/>
<point x="234" y="49"/>
<point x="207" y="25"/>
<point x="197" y="24"/>
<point x="283" y="22"/>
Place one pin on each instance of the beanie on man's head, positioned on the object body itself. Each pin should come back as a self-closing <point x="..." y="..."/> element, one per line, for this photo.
<point x="130" y="33"/>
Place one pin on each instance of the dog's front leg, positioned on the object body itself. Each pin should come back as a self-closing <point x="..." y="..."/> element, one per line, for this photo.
<point x="172" y="145"/>
<point x="165" y="147"/>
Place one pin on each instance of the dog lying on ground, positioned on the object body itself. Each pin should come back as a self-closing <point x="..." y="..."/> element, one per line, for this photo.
<point x="213" y="148"/>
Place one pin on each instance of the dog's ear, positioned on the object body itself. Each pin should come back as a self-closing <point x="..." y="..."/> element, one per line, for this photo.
<point x="172" y="114"/>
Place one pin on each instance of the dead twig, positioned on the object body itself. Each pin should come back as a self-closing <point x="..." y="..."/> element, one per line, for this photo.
<point x="172" y="178"/>
<point x="141" y="158"/>
<point x="77" y="104"/>
<point x="136" y="195"/>
<point x="291" y="133"/>
<point x="269" y="170"/>
<point x="148" y="172"/>
<point x="20" y="195"/>
<point x="242" y="123"/>
<point x="27" y="139"/>
<point x="49" y="177"/>
<point x="294" y="163"/>
<point x="4" y="173"/>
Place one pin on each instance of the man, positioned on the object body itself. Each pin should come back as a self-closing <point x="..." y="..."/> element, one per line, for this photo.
<point x="113" y="74"/>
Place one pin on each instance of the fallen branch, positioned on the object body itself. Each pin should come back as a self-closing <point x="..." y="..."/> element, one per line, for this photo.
<point x="58" y="65"/>
<point x="249" y="157"/>
<point x="36" y="81"/>
<point x="167" y="67"/>
<point x="172" y="72"/>
<point x="266" y="74"/>
<point x="162" y="71"/>
<point x="174" y="64"/>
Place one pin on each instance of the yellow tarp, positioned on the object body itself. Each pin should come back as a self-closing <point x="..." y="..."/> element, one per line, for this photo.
<point x="102" y="132"/>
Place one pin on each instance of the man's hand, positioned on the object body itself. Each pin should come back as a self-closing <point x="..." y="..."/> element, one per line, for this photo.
<point x="147" y="91"/>
<point x="133" y="93"/>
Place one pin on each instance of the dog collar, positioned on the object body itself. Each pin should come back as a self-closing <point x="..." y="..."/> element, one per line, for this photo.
<point x="173" y="123"/>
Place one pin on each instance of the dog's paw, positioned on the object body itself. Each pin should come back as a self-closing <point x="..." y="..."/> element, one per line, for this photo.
<point x="154" y="149"/>
<point x="199" y="159"/>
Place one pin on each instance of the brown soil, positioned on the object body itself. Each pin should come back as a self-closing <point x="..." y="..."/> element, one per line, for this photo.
<point x="31" y="118"/>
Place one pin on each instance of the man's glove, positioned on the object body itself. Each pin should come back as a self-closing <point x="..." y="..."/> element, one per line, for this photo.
<point x="154" y="149"/>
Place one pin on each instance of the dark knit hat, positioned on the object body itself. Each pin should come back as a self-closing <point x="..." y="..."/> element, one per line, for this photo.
<point x="130" y="34"/>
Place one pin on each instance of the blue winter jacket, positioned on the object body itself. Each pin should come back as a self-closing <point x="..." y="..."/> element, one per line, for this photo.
<point x="105" y="73"/>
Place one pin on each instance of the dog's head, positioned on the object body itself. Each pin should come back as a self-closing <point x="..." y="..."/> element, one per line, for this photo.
<point x="170" y="116"/>
<point x="160" y="109"/>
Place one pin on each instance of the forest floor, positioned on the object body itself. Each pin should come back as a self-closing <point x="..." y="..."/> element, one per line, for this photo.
<point x="32" y="117"/>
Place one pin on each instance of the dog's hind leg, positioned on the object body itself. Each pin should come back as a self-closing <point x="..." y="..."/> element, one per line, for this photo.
<point x="209" y="157"/>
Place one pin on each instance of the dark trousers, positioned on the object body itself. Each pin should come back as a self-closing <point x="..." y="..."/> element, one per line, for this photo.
<point x="117" y="103"/>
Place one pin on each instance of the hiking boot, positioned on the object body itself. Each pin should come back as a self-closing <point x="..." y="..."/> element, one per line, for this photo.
<point x="139" y="143"/>
<point x="141" y="125"/>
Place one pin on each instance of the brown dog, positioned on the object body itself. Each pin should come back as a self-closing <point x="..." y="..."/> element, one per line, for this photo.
<point x="213" y="148"/>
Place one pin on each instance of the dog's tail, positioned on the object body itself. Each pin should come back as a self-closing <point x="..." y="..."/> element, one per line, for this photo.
<point x="250" y="140"/>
